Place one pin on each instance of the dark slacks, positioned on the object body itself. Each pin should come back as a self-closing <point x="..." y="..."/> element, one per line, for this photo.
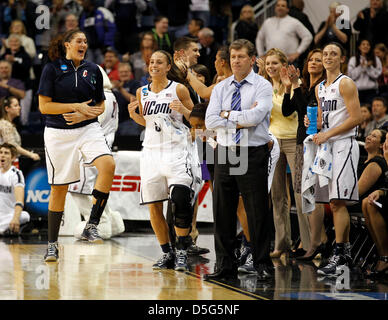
<point x="253" y="187"/>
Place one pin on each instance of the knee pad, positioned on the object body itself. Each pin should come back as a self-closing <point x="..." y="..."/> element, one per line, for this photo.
<point x="181" y="206"/>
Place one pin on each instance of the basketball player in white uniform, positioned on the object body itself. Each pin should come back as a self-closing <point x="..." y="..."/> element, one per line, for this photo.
<point x="11" y="192"/>
<point x="111" y="222"/>
<point x="339" y="115"/>
<point x="166" y="163"/>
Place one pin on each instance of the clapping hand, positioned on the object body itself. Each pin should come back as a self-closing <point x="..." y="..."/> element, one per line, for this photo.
<point x="181" y="61"/>
<point x="260" y="63"/>
<point x="285" y="79"/>
<point x="293" y="74"/>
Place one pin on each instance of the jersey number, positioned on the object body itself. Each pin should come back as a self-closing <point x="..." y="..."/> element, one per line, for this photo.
<point x="114" y="111"/>
<point x="157" y="128"/>
<point x="325" y="121"/>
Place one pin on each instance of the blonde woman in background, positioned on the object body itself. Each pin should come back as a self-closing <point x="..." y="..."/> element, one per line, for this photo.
<point x="9" y="110"/>
<point x="285" y="130"/>
<point x="17" y="27"/>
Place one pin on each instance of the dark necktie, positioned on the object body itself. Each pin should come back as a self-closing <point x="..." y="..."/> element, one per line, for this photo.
<point x="236" y="106"/>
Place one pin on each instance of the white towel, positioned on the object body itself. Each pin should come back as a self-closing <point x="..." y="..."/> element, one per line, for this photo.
<point x="323" y="163"/>
<point x="317" y="167"/>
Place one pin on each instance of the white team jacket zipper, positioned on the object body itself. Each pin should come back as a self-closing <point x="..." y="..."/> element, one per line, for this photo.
<point x="75" y="69"/>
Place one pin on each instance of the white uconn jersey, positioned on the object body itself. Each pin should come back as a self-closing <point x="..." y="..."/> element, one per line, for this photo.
<point x="164" y="126"/>
<point x="109" y="120"/>
<point x="8" y="181"/>
<point x="334" y="111"/>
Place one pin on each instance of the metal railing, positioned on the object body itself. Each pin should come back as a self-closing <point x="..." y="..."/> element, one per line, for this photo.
<point x="263" y="10"/>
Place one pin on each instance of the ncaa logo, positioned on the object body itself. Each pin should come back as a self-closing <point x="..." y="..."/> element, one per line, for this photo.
<point x="63" y="67"/>
<point x="37" y="191"/>
<point x="145" y="91"/>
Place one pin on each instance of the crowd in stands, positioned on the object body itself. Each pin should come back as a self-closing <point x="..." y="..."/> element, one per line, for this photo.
<point x="122" y="35"/>
<point x="129" y="31"/>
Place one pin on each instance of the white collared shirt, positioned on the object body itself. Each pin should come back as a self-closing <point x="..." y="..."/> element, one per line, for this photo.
<point x="255" y="120"/>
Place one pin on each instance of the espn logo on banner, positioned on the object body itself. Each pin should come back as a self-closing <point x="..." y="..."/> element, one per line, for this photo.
<point x="126" y="183"/>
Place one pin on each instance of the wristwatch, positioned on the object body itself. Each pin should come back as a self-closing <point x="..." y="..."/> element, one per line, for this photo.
<point x="226" y="114"/>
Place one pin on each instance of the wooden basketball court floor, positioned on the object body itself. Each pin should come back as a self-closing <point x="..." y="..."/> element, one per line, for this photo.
<point x="121" y="269"/>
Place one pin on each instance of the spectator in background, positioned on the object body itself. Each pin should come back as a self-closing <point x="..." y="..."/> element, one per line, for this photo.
<point x="366" y="114"/>
<point x="125" y="91"/>
<point x="58" y="14"/>
<point x="365" y="69"/>
<point x="379" y="113"/>
<point x="220" y="20"/>
<point x="246" y="27"/>
<point x="21" y="65"/>
<point x="164" y="39"/>
<point x="188" y="48"/>
<point x="371" y="172"/>
<point x="23" y="10"/>
<point x="140" y="60"/>
<point x="372" y="23"/>
<point x="194" y="26"/>
<point x="222" y="65"/>
<point x="200" y="10"/>
<point x="328" y="30"/>
<point x="376" y="219"/>
<point x="71" y="22"/>
<point x="9" y="110"/>
<point x="285" y="33"/>
<point x="99" y="27"/>
<point x="176" y="11"/>
<point x="209" y="49"/>
<point x="111" y="64"/>
<point x="381" y="51"/>
<point x="17" y="27"/>
<point x="10" y="86"/>
<point x="201" y="72"/>
<point x="125" y="13"/>
<point x="296" y="11"/>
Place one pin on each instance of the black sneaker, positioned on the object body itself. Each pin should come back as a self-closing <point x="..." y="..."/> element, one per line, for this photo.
<point x="248" y="266"/>
<point x="52" y="252"/>
<point x="181" y="260"/>
<point x="90" y="234"/>
<point x="166" y="261"/>
<point x="336" y="261"/>
<point x="244" y="253"/>
<point x="194" y="250"/>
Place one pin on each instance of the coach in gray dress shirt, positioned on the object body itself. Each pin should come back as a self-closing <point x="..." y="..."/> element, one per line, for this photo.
<point x="239" y="110"/>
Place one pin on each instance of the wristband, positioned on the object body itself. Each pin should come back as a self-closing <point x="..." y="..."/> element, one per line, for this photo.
<point x="20" y="204"/>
